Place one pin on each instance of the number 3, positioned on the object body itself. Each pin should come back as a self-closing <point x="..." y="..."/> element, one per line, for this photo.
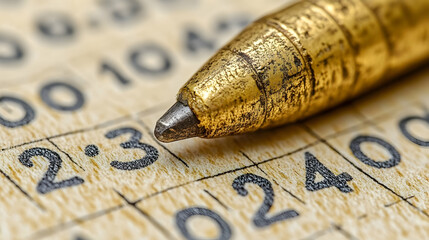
<point x="134" y="142"/>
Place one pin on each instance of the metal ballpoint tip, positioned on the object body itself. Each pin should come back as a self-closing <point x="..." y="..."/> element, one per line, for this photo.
<point x="178" y="123"/>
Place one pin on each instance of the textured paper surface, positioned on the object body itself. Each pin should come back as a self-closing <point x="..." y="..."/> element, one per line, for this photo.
<point x="82" y="84"/>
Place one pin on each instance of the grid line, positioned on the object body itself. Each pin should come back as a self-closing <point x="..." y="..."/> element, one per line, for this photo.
<point x="362" y="171"/>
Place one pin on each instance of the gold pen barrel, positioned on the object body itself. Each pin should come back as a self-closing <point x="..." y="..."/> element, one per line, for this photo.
<point x="304" y="59"/>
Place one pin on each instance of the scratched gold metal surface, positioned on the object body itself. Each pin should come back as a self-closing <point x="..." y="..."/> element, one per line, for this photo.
<point x="306" y="58"/>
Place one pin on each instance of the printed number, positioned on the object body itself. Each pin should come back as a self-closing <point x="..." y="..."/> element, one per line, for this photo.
<point x="194" y="42"/>
<point x="123" y="10"/>
<point x="403" y="126"/>
<point x="183" y="216"/>
<point x="56" y="26"/>
<point x="26" y="119"/>
<point x="233" y="23"/>
<point x="46" y="92"/>
<point x="12" y="51"/>
<point x="107" y="67"/>
<point x="134" y="142"/>
<point x="313" y="165"/>
<point x="150" y="59"/>
<point x="355" y="146"/>
<point x="260" y="219"/>
<point x="47" y="184"/>
<point x="80" y="238"/>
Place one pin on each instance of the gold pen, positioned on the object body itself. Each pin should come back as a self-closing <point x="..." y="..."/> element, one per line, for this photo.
<point x="296" y="62"/>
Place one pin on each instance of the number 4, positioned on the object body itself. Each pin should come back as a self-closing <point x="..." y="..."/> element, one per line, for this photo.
<point x="312" y="165"/>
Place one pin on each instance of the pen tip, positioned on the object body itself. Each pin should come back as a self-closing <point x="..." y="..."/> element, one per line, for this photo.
<point x="178" y="123"/>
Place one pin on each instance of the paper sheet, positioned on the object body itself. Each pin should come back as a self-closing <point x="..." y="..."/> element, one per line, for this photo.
<point x="82" y="85"/>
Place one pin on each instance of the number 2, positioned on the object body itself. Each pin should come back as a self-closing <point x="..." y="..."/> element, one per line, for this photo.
<point x="47" y="184"/>
<point x="260" y="219"/>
